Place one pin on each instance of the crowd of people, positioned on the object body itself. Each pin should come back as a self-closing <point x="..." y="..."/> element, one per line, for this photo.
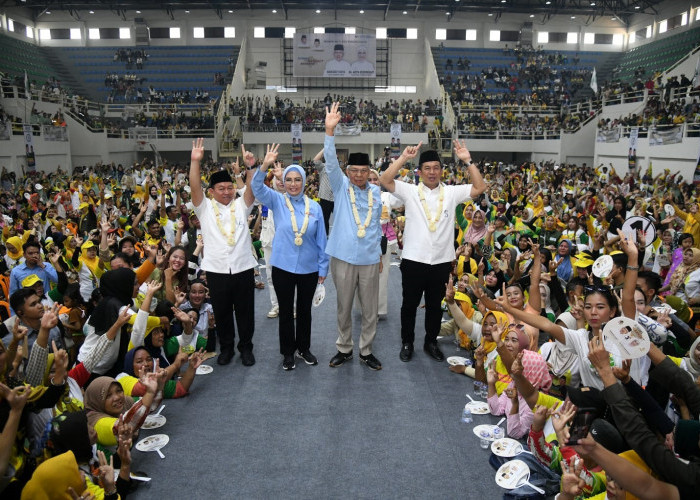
<point x="120" y="279"/>
<point x="512" y="121"/>
<point x="130" y="57"/>
<point x="659" y="112"/>
<point x="265" y="113"/>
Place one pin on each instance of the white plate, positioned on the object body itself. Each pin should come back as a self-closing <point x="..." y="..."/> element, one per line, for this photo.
<point x="510" y="473"/>
<point x="626" y="338"/>
<point x="152" y="443"/>
<point x="506" y="447"/>
<point x="204" y="369"/>
<point x="487" y="429"/>
<point x="670" y="211"/>
<point x="319" y="295"/>
<point x="478" y="407"/>
<point x="456" y="360"/>
<point x="664" y="307"/>
<point x="154" y="421"/>
<point x="602" y="266"/>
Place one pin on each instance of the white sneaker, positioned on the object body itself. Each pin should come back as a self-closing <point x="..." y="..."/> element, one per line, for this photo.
<point x="274" y="312"/>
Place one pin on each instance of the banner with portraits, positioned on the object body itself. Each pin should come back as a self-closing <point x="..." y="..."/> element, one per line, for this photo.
<point x="395" y="140"/>
<point x="296" y="143"/>
<point x="632" y="153"/>
<point x="29" y="147"/>
<point x="334" y="55"/>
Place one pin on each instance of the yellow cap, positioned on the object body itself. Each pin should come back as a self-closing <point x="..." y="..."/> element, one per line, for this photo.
<point x="30" y="280"/>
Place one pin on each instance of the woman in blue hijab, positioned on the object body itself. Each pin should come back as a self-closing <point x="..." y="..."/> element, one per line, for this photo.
<point x="299" y="261"/>
<point x="565" y="268"/>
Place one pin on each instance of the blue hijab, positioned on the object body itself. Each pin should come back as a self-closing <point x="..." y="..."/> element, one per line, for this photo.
<point x="297" y="168"/>
<point x="565" y="270"/>
<point x="129" y="360"/>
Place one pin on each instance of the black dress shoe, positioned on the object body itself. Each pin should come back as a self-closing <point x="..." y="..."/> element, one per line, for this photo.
<point x="340" y="358"/>
<point x="434" y="351"/>
<point x="371" y="362"/>
<point x="406" y="352"/>
<point x="225" y="357"/>
<point x="247" y="358"/>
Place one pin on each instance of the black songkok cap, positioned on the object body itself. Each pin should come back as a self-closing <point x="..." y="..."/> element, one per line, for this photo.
<point x="358" y="159"/>
<point x="220" y="176"/>
<point x="429" y="155"/>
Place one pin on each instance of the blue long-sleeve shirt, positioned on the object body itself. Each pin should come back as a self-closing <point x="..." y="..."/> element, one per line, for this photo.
<point x="47" y="274"/>
<point x="344" y="244"/>
<point x="310" y="256"/>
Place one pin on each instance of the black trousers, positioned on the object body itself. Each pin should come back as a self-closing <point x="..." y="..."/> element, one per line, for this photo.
<point x="327" y="209"/>
<point x="286" y="284"/>
<point x="418" y="279"/>
<point x="229" y="291"/>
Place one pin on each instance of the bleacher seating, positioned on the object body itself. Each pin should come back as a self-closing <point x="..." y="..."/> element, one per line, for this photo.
<point x="482" y="59"/>
<point x="658" y="55"/>
<point x="16" y="56"/>
<point x="168" y="69"/>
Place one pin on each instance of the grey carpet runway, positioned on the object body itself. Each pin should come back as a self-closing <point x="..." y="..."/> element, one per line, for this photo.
<point x="320" y="432"/>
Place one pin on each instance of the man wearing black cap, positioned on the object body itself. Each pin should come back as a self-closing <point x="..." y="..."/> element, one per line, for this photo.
<point x="354" y="246"/>
<point x="428" y="249"/>
<point x="228" y="259"/>
<point x="337" y="66"/>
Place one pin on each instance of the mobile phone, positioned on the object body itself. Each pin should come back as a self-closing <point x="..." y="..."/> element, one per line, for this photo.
<point x="581" y="425"/>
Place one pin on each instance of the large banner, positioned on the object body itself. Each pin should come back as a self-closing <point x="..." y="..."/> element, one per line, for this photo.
<point x="632" y="153"/>
<point x="29" y="147"/>
<point x="334" y="55"/>
<point x="348" y="129"/>
<point x="672" y="135"/>
<point x="296" y="143"/>
<point x="52" y="133"/>
<point x="395" y="140"/>
<point x="608" y="135"/>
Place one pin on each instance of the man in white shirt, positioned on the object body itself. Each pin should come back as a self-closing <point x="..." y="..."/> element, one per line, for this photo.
<point x="337" y="66"/>
<point x="228" y="259"/>
<point x="428" y="249"/>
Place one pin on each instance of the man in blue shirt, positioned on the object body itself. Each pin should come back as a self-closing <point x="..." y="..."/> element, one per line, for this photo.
<point x="32" y="265"/>
<point x="354" y="246"/>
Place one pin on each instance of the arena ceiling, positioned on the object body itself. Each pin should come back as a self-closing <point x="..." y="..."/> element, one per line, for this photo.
<point x="622" y="9"/>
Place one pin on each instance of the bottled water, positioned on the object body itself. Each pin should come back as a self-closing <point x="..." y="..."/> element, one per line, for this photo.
<point x="497" y="433"/>
<point x="467" y="415"/>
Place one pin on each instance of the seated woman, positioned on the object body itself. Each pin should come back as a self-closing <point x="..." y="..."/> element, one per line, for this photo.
<point x="685" y="280"/>
<point x="139" y="359"/>
<point x="172" y="273"/>
<point x="183" y="336"/>
<point x="503" y="397"/>
<point x="479" y="334"/>
<point x="107" y="405"/>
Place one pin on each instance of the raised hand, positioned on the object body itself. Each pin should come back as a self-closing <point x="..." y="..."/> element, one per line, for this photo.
<point x="461" y="151"/>
<point x="517" y="367"/>
<point x="622" y="373"/>
<point x="50" y="317"/>
<point x="60" y="357"/>
<point x="248" y="157"/>
<point x="197" y="150"/>
<point x="480" y="354"/>
<point x="411" y="152"/>
<point x="153" y="286"/>
<point x="539" y="417"/>
<point x="196" y="359"/>
<point x="16" y="397"/>
<point x="598" y="356"/>
<point x="18" y="331"/>
<point x="491" y="375"/>
<point x="124" y="437"/>
<point x="106" y="471"/>
<point x="182" y="316"/>
<point x="180" y="298"/>
<point x="270" y="155"/>
<point x="628" y="246"/>
<point x="512" y="393"/>
<point x="123" y="317"/>
<point x="449" y="291"/>
<point x="332" y="116"/>
<point x="561" y="418"/>
<point x="571" y="482"/>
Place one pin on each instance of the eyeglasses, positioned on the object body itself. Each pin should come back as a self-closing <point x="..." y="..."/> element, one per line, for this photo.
<point x="357" y="171"/>
<point x="589" y="289"/>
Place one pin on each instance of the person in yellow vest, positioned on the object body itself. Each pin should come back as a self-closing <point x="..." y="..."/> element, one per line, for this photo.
<point x="691" y="218"/>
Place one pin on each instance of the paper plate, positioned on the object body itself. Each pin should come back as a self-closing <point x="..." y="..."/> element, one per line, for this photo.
<point x="510" y="474"/>
<point x="154" y="421"/>
<point x="152" y="443"/>
<point x="670" y="211"/>
<point x="319" y="295"/>
<point x="485" y="431"/>
<point x="506" y="447"/>
<point x="664" y="307"/>
<point x="478" y="407"/>
<point x="456" y="360"/>
<point x="602" y="266"/>
<point x="204" y="369"/>
<point x="626" y="338"/>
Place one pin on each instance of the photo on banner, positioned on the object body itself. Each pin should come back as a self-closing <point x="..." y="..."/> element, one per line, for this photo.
<point x="296" y="143"/>
<point x="29" y="147"/>
<point x="632" y="153"/>
<point x="395" y="140"/>
<point x="334" y="55"/>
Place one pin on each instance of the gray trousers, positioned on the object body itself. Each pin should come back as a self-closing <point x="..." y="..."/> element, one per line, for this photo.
<point x="364" y="279"/>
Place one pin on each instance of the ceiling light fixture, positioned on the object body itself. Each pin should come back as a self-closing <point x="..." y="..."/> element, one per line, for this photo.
<point x="318" y="11"/>
<point x="573" y="17"/>
<point x="636" y="7"/>
<point x="138" y="12"/>
<point x="362" y="12"/>
<point x="274" y="11"/>
<point x="187" y="12"/>
<point x="532" y="15"/>
<point x="404" y="12"/>
<point x="92" y="12"/>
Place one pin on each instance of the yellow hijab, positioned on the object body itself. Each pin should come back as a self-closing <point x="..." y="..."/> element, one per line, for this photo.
<point x="16" y="242"/>
<point x="52" y="479"/>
